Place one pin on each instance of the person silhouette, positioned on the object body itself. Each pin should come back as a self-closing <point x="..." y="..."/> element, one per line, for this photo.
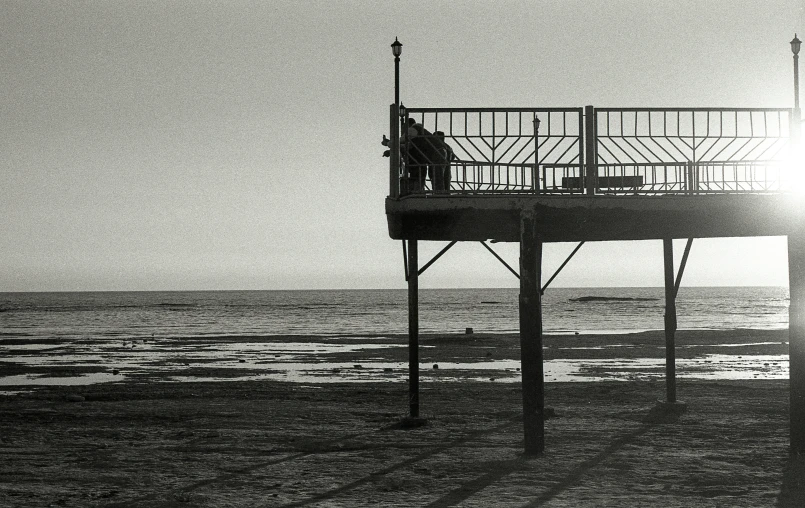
<point x="423" y="153"/>
<point x="442" y="173"/>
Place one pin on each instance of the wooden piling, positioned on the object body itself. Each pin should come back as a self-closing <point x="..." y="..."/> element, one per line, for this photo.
<point x="670" y="321"/>
<point x="413" y="329"/>
<point x="796" y="339"/>
<point x="531" y="335"/>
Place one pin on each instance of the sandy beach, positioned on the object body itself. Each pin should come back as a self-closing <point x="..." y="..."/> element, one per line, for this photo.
<point x="185" y="432"/>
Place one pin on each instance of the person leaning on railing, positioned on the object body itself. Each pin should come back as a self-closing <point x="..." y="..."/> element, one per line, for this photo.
<point x="442" y="170"/>
<point x="424" y="152"/>
<point x="413" y="180"/>
<point x="413" y="130"/>
<point x="413" y="155"/>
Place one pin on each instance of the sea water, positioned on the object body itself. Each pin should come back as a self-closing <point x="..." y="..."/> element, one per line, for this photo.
<point x="113" y="329"/>
<point x="133" y="315"/>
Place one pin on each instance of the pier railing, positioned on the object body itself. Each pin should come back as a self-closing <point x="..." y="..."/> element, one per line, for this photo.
<point x="622" y="151"/>
<point x="693" y="150"/>
<point x="489" y="150"/>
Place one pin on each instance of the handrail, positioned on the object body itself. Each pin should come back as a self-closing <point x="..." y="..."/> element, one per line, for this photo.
<point x="696" y="109"/>
<point x="487" y="110"/>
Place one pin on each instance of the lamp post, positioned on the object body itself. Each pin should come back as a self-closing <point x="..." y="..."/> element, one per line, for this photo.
<point x="797" y="120"/>
<point x="396" y="50"/>
<point x="795" y="43"/>
<point x="394" y="160"/>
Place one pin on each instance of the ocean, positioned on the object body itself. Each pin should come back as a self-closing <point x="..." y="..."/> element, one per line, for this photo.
<point x="175" y="314"/>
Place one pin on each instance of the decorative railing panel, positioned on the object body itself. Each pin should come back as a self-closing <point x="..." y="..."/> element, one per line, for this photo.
<point x="631" y="151"/>
<point x="495" y="150"/>
<point x="692" y="150"/>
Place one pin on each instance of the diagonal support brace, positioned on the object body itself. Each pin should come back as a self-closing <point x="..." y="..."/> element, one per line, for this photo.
<point x="682" y="266"/>
<point x="437" y="256"/>
<point x="405" y="260"/>
<point x="500" y="259"/>
<point x="560" y="267"/>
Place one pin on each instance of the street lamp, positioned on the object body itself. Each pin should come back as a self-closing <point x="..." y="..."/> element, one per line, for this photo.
<point x="396" y="50"/>
<point x="795" y="43"/>
<point x="394" y="160"/>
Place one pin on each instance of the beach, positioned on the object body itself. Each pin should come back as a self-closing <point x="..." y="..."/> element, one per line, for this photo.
<point x="226" y="432"/>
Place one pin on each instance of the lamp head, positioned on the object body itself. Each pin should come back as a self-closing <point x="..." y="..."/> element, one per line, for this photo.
<point x="396" y="48"/>
<point x="402" y="110"/>
<point x="795" y="43"/>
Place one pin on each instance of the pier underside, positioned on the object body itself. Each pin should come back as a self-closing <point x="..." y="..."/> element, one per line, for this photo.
<point x="593" y="218"/>
<point x="533" y="220"/>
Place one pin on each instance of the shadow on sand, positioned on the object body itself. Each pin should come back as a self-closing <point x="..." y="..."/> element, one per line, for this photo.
<point x="792" y="493"/>
<point x="413" y="460"/>
<point x="660" y="414"/>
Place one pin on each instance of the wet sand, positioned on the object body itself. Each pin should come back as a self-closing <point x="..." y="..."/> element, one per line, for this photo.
<point x="144" y="441"/>
<point x="738" y="354"/>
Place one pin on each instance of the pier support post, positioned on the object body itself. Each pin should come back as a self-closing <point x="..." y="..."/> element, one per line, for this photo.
<point x="590" y="155"/>
<point x="670" y="321"/>
<point x="413" y="329"/>
<point x="796" y="339"/>
<point x="531" y="335"/>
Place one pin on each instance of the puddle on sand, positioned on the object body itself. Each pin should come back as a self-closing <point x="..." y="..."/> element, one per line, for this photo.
<point x="155" y="352"/>
<point x="715" y="367"/>
<point x="44" y="380"/>
<point x="300" y="362"/>
<point x="30" y="347"/>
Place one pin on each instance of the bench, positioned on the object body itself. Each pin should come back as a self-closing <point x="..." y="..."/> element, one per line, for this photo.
<point x="605" y="182"/>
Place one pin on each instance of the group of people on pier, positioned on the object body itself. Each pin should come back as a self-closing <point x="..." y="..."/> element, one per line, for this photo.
<point x="424" y="153"/>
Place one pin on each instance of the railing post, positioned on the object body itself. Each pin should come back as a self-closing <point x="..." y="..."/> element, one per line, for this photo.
<point x="582" y="155"/>
<point x="591" y="137"/>
<point x="535" y="186"/>
<point x="689" y="177"/>
<point x="394" y="158"/>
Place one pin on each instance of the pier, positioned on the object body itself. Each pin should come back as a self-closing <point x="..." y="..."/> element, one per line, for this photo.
<point x="579" y="174"/>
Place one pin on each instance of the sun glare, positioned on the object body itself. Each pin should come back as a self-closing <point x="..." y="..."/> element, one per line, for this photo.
<point x="794" y="166"/>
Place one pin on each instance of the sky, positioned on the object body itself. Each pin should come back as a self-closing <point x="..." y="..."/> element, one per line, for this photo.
<point x="195" y="145"/>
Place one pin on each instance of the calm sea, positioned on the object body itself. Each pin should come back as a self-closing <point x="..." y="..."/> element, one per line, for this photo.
<point x="99" y="315"/>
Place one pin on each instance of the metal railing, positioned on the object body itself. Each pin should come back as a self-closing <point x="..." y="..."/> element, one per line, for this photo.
<point x="637" y="151"/>
<point x="486" y="150"/>
<point x="692" y="150"/>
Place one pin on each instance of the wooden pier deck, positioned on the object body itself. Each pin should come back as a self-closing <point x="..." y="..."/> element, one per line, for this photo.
<point x="593" y="218"/>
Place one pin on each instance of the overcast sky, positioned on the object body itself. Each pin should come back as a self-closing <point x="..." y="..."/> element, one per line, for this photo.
<point x="235" y="145"/>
